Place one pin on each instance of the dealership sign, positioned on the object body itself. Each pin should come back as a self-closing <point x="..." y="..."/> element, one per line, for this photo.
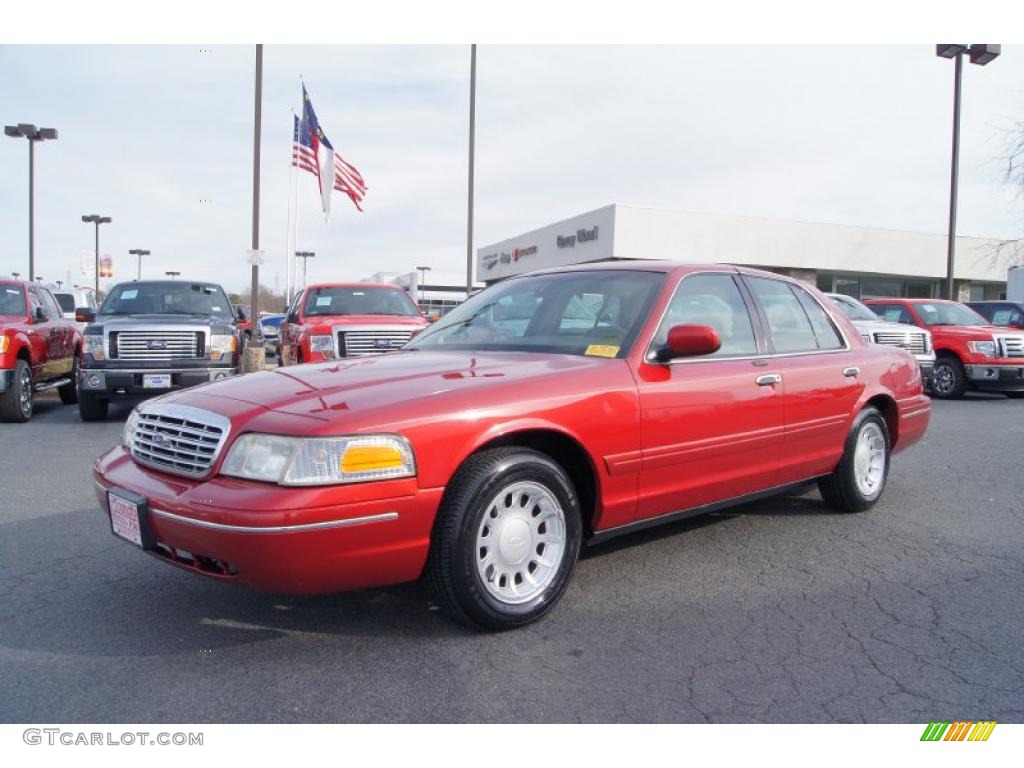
<point x="507" y="257"/>
<point x="581" y="236"/>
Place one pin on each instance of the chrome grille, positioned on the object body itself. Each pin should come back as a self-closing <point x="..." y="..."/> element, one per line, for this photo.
<point x="1011" y="346"/>
<point x="178" y="438"/>
<point x="156" y="345"/>
<point x="361" y="343"/>
<point x="914" y="342"/>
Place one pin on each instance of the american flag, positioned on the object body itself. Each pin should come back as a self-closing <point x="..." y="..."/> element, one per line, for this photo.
<point x="311" y="151"/>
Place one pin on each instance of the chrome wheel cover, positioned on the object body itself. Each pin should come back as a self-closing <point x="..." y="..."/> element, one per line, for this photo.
<point x="26" y="392"/>
<point x="520" y="543"/>
<point x="869" y="460"/>
<point x="942" y="379"/>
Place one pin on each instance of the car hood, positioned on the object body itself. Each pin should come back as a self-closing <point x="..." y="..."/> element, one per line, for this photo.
<point x="342" y="320"/>
<point x="880" y="326"/>
<point x="969" y="331"/>
<point x="391" y="381"/>
<point x="130" y="321"/>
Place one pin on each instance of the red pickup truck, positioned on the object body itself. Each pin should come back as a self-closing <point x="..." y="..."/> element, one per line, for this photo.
<point x="39" y="349"/>
<point x="970" y="353"/>
<point x="335" y="320"/>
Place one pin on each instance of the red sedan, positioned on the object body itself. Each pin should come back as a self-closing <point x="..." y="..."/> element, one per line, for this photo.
<point x="551" y="410"/>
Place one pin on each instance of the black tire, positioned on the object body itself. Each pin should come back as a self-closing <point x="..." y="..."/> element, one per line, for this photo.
<point x="452" y="575"/>
<point x="17" y="403"/>
<point x="840" y="490"/>
<point x="92" y="408"/>
<point x="949" y="381"/>
<point x="69" y="392"/>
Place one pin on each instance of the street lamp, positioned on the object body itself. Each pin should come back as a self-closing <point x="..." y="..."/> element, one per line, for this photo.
<point x="97" y="220"/>
<point x="423" y="279"/>
<point x="172" y="274"/>
<point x="15" y="275"/>
<point x="981" y="54"/>
<point x="33" y="134"/>
<point x="304" y="255"/>
<point x="140" y="253"/>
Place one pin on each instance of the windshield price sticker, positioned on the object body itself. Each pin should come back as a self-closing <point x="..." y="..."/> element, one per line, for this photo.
<point x="323" y="301"/>
<point x="130" y="294"/>
<point x="602" y="350"/>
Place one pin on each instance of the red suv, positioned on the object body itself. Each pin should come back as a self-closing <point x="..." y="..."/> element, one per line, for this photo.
<point x="970" y="353"/>
<point x="550" y="410"/>
<point x="39" y="349"/>
<point x="334" y="320"/>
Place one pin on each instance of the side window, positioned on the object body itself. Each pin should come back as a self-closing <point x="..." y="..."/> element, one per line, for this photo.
<point x="790" y="329"/>
<point x="1017" y="318"/>
<point x="50" y="305"/>
<point x="998" y="316"/>
<point x="715" y="300"/>
<point x="893" y="313"/>
<point x="824" y="331"/>
<point x="34" y="303"/>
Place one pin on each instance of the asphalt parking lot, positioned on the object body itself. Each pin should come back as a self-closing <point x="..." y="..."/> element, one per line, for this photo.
<point x="774" y="612"/>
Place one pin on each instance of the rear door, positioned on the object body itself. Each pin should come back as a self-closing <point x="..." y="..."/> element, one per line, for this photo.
<point x="820" y="373"/>
<point x="711" y="426"/>
<point x="63" y="332"/>
<point x="288" y="334"/>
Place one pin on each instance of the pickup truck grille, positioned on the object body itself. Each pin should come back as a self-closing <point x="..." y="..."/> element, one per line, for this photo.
<point x="361" y="343"/>
<point x="1011" y="346"/>
<point x="914" y="342"/>
<point x="156" y="345"/>
<point x="178" y="439"/>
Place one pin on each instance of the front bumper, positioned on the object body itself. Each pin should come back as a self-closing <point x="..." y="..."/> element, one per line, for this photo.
<point x="288" y="540"/>
<point x="1000" y="376"/>
<point x="130" y="382"/>
<point x="6" y="380"/>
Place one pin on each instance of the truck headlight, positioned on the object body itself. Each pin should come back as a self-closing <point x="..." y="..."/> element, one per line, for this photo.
<point x="320" y="461"/>
<point x="322" y="344"/>
<point x="4" y="343"/>
<point x="867" y="338"/>
<point x="128" y="431"/>
<point x="93" y="345"/>
<point x="222" y="344"/>
<point x="985" y="348"/>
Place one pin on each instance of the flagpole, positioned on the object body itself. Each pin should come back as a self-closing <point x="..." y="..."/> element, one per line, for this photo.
<point x="472" y="158"/>
<point x="288" y="245"/>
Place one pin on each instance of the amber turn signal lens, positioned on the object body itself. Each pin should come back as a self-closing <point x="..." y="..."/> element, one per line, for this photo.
<point x="367" y="458"/>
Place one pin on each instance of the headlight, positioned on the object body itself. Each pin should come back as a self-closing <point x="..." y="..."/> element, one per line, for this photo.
<point x="93" y="345"/>
<point x="986" y="348"/>
<point x="4" y="342"/>
<point x="128" y="431"/>
<point x="320" y="461"/>
<point x="221" y="345"/>
<point x="867" y="338"/>
<point x="322" y="344"/>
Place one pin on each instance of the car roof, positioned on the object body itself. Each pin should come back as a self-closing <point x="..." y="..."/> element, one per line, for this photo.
<point x="392" y="286"/>
<point x="676" y="268"/>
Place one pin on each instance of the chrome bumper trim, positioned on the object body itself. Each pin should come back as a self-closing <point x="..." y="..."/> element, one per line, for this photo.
<point x="384" y="516"/>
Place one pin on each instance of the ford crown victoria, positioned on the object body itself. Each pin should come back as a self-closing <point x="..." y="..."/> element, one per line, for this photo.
<point x="548" y="411"/>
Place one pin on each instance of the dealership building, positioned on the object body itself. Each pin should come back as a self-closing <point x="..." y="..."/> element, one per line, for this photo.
<point x="858" y="261"/>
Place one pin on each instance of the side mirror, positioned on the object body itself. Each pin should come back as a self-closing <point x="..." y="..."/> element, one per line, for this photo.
<point x="40" y="316"/>
<point x="241" y="314"/>
<point x="293" y="317"/>
<point x="689" y="341"/>
<point x="84" y="315"/>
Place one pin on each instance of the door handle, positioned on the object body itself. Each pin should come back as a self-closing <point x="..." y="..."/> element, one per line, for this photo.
<point x="853" y="370"/>
<point x="768" y="379"/>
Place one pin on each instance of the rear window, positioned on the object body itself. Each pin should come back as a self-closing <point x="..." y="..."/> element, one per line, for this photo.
<point x="66" y="301"/>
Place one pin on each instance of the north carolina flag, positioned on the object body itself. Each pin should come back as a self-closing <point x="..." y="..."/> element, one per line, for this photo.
<point x="311" y="151"/>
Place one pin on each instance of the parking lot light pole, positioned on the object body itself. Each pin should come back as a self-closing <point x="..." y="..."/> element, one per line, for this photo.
<point x="96" y="219"/>
<point x="423" y="278"/>
<point x="140" y="253"/>
<point x="33" y="134"/>
<point x="304" y="255"/>
<point x="172" y="274"/>
<point x="981" y="54"/>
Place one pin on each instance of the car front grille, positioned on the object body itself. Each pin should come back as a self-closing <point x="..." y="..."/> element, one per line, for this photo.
<point x="157" y="345"/>
<point x="914" y="342"/>
<point x="1011" y="346"/>
<point x="178" y="438"/>
<point x="375" y="342"/>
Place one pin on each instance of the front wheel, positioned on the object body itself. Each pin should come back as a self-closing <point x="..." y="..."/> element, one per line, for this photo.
<point x="16" y="403"/>
<point x="859" y="479"/>
<point x="949" y="381"/>
<point x="506" y="539"/>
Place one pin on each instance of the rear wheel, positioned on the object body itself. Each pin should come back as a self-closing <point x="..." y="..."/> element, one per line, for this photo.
<point x="859" y="479"/>
<point x="69" y="392"/>
<point x="16" y="403"/>
<point x="505" y="541"/>
<point x="949" y="381"/>
<point x="92" y="408"/>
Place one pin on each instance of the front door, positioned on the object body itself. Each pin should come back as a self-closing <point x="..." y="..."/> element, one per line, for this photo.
<point x="711" y="426"/>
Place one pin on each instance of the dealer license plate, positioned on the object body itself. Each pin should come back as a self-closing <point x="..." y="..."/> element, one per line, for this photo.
<point x="156" y="380"/>
<point x="124" y="519"/>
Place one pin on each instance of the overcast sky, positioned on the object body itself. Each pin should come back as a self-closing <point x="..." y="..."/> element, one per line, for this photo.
<point x="841" y="134"/>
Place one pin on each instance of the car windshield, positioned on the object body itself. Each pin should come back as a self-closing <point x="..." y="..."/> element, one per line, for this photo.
<point x="852" y="308"/>
<point x="178" y="298"/>
<point x="948" y="313"/>
<point x="12" y="300"/>
<point x="332" y="300"/>
<point x="66" y="301"/>
<point x="596" y="313"/>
